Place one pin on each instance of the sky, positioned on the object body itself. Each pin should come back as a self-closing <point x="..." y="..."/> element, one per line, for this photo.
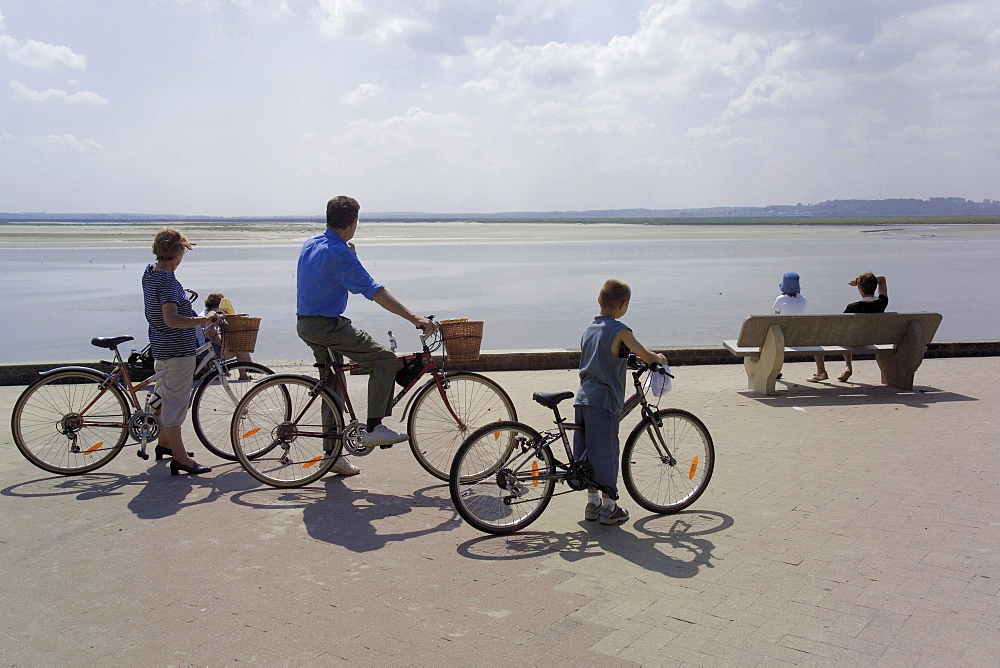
<point x="271" y="107"/>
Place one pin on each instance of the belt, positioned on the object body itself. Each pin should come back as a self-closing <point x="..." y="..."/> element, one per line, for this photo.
<point x="331" y="317"/>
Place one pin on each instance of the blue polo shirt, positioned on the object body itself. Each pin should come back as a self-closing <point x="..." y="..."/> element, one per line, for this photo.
<point x="328" y="271"/>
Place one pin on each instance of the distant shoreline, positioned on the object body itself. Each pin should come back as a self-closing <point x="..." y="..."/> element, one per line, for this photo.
<point x="65" y="234"/>
<point x="115" y="220"/>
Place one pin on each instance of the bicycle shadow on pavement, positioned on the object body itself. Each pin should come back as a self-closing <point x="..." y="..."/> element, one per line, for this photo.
<point x="669" y="544"/>
<point x="849" y="394"/>
<point x="157" y="493"/>
<point x="332" y="513"/>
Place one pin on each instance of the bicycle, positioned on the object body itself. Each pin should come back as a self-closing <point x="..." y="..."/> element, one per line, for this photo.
<point x="504" y="475"/>
<point x="75" y="419"/>
<point x="289" y="430"/>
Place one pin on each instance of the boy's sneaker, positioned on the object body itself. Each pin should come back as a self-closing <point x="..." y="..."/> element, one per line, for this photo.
<point x="591" y="511"/>
<point x="616" y="516"/>
<point x="381" y="435"/>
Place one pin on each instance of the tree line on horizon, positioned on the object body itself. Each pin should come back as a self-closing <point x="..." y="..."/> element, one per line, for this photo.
<point x="840" y="208"/>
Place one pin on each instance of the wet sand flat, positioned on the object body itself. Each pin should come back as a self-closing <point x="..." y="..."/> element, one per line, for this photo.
<point x="134" y="235"/>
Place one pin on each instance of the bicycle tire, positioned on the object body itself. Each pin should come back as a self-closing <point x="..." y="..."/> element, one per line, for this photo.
<point x="47" y="415"/>
<point x="433" y="433"/>
<point x="656" y="483"/>
<point x="212" y="406"/>
<point x="279" y="429"/>
<point x="490" y="470"/>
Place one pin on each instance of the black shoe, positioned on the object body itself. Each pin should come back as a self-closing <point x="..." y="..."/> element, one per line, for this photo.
<point x="176" y="466"/>
<point x="161" y="452"/>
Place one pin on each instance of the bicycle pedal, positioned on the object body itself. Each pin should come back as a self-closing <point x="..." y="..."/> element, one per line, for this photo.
<point x="141" y="455"/>
<point x="386" y="447"/>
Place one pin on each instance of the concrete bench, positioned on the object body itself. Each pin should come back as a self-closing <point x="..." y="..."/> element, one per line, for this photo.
<point x="898" y="340"/>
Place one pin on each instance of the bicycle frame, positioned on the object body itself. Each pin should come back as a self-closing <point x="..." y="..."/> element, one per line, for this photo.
<point x="338" y="371"/>
<point x="564" y="426"/>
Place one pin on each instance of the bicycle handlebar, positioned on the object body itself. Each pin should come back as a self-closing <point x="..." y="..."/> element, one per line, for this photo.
<point x="635" y="363"/>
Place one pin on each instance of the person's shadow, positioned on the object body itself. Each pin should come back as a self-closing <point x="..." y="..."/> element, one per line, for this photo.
<point x="672" y="544"/>
<point x="358" y="519"/>
<point x="158" y="498"/>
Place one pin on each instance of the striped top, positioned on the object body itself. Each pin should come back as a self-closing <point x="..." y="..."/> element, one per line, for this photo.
<point x="159" y="288"/>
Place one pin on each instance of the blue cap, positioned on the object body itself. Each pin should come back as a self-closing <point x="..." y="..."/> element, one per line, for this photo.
<point x="790" y="283"/>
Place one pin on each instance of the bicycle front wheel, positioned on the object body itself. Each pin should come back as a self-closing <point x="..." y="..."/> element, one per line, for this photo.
<point x="668" y="462"/>
<point x="69" y="423"/>
<point x="214" y="400"/>
<point x="502" y="478"/>
<point x="433" y="431"/>
<point x="286" y="433"/>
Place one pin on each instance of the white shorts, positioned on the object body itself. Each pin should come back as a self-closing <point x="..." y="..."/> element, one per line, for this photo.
<point x="174" y="389"/>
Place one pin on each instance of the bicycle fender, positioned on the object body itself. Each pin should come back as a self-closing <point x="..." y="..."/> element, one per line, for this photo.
<point x="86" y="369"/>
<point x="444" y="376"/>
<point x="309" y="379"/>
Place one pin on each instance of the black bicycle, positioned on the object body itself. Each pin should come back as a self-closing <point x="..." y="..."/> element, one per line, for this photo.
<point x="504" y="474"/>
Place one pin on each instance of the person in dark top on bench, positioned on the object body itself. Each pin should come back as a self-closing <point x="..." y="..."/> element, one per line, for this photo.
<point x="867" y="284"/>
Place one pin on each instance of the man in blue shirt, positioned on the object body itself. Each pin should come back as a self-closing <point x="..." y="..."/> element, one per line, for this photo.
<point x="328" y="271"/>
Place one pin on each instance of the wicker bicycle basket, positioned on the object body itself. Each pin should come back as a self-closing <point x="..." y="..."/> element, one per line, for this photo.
<point x="462" y="339"/>
<point x="239" y="333"/>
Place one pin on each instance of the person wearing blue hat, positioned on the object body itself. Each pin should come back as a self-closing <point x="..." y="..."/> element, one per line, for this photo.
<point x="790" y="301"/>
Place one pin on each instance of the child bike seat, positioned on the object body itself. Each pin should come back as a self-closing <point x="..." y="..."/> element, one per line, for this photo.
<point x="551" y="399"/>
<point x="109" y="342"/>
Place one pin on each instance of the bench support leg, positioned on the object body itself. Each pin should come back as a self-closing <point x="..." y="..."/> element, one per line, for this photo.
<point x="763" y="369"/>
<point x="899" y="365"/>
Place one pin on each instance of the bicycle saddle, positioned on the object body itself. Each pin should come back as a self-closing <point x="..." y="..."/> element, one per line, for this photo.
<point x="551" y="399"/>
<point x="109" y="342"/>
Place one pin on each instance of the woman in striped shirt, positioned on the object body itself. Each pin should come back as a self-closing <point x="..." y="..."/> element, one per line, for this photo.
<point x="173" y="342"/>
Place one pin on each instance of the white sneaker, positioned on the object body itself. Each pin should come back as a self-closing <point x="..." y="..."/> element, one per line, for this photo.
<point x="382" y="435"/>
<point x="344" y="467"/>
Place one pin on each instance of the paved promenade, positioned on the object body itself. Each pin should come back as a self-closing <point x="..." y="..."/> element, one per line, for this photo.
<point x="846" y="523"/>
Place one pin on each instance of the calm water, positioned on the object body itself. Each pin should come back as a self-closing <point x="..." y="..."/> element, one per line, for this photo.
<point x="531" y="295"/>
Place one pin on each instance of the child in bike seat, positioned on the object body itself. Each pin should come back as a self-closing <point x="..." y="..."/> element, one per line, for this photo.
<point x="605" y="346"/>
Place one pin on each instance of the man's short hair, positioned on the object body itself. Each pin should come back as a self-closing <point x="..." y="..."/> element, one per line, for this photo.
<point x="341" y="211"/>
<point x="868" y="283"/>
<point x="614" y="292"/>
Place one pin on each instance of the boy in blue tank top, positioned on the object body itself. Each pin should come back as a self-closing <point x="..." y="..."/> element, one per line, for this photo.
<point x="605" y="346"/>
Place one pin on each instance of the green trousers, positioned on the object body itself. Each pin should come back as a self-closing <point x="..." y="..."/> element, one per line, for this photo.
<point x="338" y="335"/>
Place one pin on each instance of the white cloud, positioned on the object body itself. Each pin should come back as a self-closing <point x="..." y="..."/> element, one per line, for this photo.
<point x="69" y="144"/>
<point x="22" y="92"/>
<point x="379" y="21"/>
<point x="364" y="93"/>
<point x="40" y="54"/>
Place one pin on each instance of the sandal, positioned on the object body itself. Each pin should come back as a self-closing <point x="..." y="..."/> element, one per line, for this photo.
<point x="844" y="376"/>
<point x="817" y="377"/>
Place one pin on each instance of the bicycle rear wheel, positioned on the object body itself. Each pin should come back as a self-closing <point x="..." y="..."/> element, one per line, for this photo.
<point x="667" y="463"/>
<point x="285" y="433"/>
<point x="501" y="479"/>
<point x="214" y="401"/>
<point x="68" y="423"/>
<point x="435" y="435"/>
